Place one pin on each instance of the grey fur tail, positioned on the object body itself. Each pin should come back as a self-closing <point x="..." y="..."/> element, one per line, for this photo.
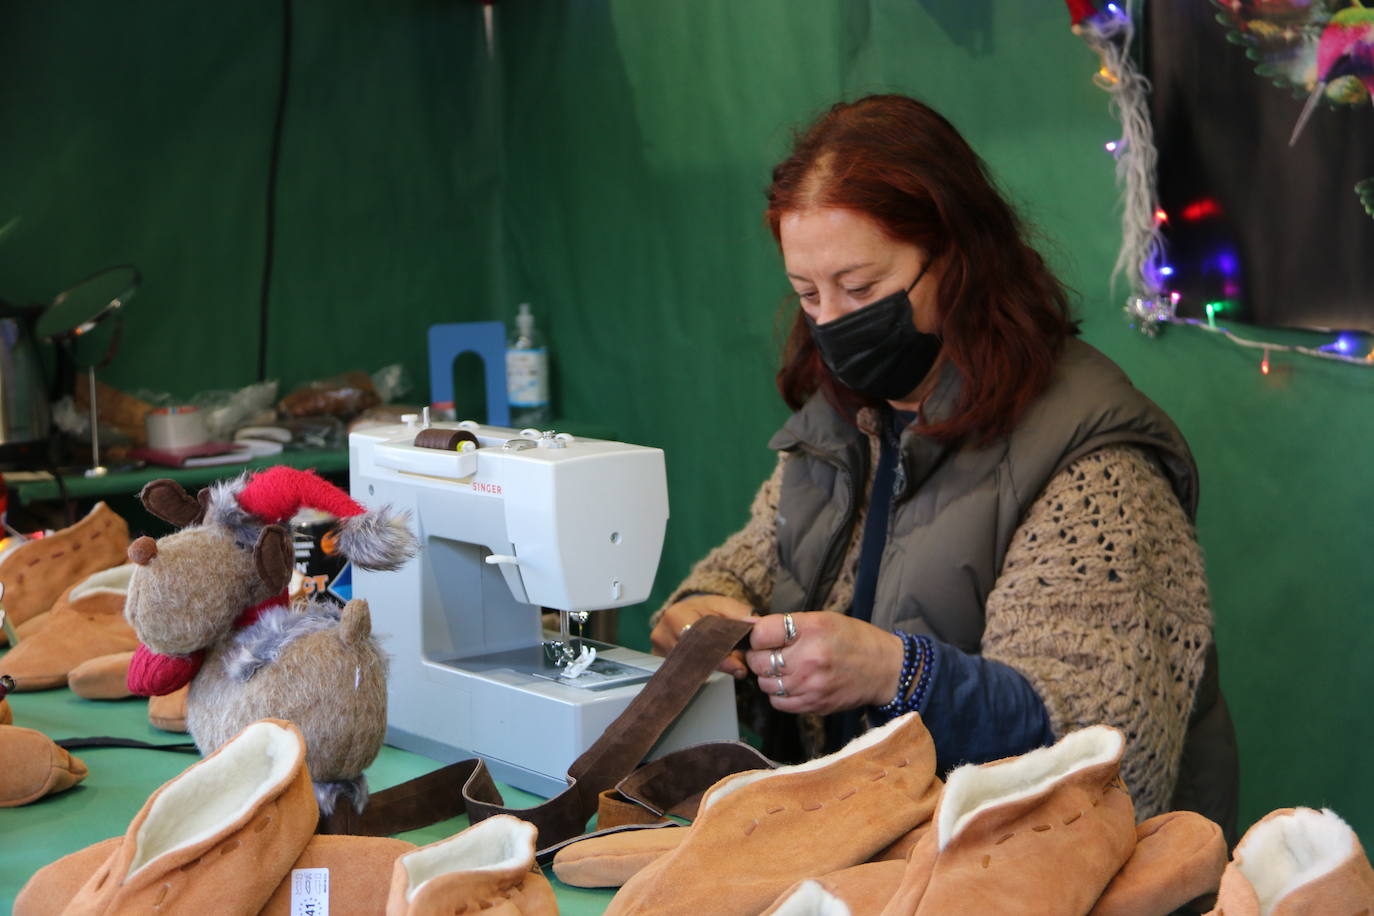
<point x="328" y="794"/>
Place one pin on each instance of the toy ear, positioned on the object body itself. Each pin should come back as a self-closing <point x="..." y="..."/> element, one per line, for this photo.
<point x="274" y="556"/>
<point x="166" y="499"/>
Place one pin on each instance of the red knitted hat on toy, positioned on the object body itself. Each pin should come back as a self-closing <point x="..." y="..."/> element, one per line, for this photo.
<point x="276" y="494"/>
<point x="377" y="539"/>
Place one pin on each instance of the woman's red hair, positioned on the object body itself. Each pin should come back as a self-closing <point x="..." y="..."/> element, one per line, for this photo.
<point x="1003" y="315"/>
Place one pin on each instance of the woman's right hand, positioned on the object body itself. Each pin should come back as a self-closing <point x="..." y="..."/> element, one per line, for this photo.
<point x="681" y="615"/>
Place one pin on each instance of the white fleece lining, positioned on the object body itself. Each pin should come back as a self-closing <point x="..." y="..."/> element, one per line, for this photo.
<point x="810" y="899"/>
<point x="739" y="781"/>
<point x="1286" y="852"/>
<point x="499" y="842"/>
<point x="219" y="790"/>
<point x="972" y="789"/>
<point x="107" y="580"/>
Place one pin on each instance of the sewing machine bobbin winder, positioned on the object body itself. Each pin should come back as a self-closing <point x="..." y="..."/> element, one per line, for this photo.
<point x="513" y="523"/>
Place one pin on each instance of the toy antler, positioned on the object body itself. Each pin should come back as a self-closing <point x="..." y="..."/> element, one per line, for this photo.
<point x="166" y="499"/>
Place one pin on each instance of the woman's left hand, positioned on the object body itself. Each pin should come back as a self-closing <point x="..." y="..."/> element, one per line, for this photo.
<point x="833" y="663"/>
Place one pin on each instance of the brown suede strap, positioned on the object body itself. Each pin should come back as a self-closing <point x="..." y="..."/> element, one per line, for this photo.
<point x="467" y="788"/>
<point x="674" y="783"/>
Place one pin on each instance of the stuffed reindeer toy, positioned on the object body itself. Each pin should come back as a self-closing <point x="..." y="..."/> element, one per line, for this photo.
<point x="209" y="604"/>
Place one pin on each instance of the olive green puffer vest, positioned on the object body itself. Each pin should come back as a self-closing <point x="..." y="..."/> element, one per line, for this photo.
<point x="955" y="510"/>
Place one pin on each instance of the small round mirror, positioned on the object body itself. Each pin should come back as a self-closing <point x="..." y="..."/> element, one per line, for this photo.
<point x="76" y="310"/>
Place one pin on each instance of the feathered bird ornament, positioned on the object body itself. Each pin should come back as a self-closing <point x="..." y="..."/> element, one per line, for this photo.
<point x="1318" y="48"/>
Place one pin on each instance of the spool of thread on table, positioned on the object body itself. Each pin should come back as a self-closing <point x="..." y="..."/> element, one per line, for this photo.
<point x="175" y="427"/>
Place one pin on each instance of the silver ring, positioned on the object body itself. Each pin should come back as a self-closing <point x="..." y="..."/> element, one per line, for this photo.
<point x="781" y="691"/>
<point x="789" y="630"/>
<point x="775" y="661"/>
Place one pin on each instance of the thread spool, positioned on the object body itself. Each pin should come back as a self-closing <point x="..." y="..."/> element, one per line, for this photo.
<point x="175" y="427"/>
<point x="447" y="440"/>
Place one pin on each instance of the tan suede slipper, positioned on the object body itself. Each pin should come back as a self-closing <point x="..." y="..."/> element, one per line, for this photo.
<point x="352" y="874"/>
<point x="613" y="859"/>
<point x="757" y="833"/>
<point x="53" y="886"/>
<point x="32" y="766"/>
<point x="103" y="678"/>
<point x="859" y="891"/>
<point x="168" y="712"/>
<point x="1037" y="835"/>
<point x="219" y="837"/>
<point x="36" y="573"/>
<point x="30" y="626"/>
<point x="489" y="866"/>
<point x="900" y="848"/>
<point x="1178" y="858"/>
<point x="1297" y="862"/>
<point x="810" y="898"/>
<point x="356" y="880"/>
<point x="86" y="622"/>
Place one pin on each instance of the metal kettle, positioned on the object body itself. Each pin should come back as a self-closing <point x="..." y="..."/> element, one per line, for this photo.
<point x="25" y="415"/>
<point x="25" y="390"/>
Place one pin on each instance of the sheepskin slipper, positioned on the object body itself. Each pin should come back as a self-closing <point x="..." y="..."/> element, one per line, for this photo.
<point x="6" y="714"/>
<point x="359" y="874"/>
<point x="32" y="766"/>
<point x="1178" y="857"/>
<point x="31" y="626"/>
<point x="52" y="887"/>
<point x="218" y="838"/>
<point x="1037" y="835"/>
<point x="613" y="859"/>
<point x="36" y="573"/>
<point x="1297" y="862"/>
<point x="809" y="898"/>
<point x="359" y="871"/>
<point x="86" y="622"/>
<point x="168" y="712"/>
<point x="759" y="832"/>
<point x="103" y="678"/>
<point x="490" y="865"/>
<point x="859" y="891"/>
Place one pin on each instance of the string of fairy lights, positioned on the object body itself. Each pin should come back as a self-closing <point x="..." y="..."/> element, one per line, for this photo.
<point x="1153" y="304"/>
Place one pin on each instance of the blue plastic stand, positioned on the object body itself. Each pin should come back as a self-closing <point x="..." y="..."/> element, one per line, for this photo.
<point x="485" y="338"/>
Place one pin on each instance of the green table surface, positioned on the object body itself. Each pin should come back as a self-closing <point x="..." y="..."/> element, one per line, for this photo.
<point x="121" y="780"/>
<point x="128" y="483"/>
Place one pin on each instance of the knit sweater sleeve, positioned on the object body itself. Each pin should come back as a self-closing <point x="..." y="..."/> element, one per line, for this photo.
<point x="1102" y="605"/>
<point x="744" y="566"/>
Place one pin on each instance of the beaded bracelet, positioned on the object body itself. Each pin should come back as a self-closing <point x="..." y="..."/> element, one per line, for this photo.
<point x="917" y="661"/>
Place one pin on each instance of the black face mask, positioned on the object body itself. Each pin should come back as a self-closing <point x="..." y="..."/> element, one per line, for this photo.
<point x="876" y="350"/>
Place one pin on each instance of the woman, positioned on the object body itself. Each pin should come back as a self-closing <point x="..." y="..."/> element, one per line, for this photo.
<point x="974" y="514"/>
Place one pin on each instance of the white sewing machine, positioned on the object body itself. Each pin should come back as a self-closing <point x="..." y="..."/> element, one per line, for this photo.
<point x="510" y="524"/>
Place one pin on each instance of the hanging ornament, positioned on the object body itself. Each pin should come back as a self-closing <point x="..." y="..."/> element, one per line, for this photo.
<point x="1365" y="191"/>
<point x="1108" y="31"/>
<point x="1310" y="48"/>
<point x="1147" y="314"/>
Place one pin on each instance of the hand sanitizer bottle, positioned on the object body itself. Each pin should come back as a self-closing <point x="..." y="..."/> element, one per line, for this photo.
<point x="527" y="373"/>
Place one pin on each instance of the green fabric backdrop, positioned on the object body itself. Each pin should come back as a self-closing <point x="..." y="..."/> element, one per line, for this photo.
<point x="608" y="165"/>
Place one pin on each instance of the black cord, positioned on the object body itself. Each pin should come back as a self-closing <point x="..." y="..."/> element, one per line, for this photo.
<point x="77" y="744"/>
<point x="274" y="159"/>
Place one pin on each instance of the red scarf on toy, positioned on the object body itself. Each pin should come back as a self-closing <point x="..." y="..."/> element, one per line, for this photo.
<point x="152" y="674"/>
